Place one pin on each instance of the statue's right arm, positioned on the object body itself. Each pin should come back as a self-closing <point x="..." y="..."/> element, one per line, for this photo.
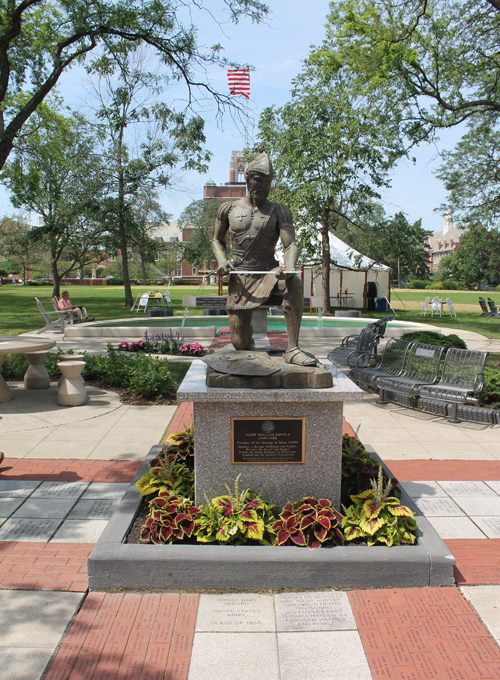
<point x="219" y="239"/>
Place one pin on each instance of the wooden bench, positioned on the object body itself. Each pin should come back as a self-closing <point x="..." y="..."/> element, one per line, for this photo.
<point x="461" y="381"/>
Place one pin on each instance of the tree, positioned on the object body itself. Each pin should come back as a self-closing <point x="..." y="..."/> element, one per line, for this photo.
<point x="395" y="242"/>
<point x="477" y="260"/>
<point x="126" y="92"/>
<point x="332" y="147"/>
<point x="199" y="217"/>
<point x="436" y="59"/>
<point x="17" y="245"/>
<point x="40" y="40"/>
<point x="147" y="214"/>
<point x="55" y="172"/>
<point x="470" y="175"/>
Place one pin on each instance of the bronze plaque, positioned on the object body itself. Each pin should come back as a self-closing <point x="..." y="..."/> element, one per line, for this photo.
<point x="268" y="441"/>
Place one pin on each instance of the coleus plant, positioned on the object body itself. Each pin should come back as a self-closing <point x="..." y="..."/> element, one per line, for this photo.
<point x="235" y="518"/>
<point x="171" y="518"/>
<point x="359" y="469"/>
<point x="308" y="522"/>
<point x="378" y="517"/>
<point x="180" y="444"/>
<point x="167" y="474"/>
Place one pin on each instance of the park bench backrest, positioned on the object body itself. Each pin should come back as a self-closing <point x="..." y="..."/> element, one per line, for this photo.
<point x="380" y="326"/>
<point x="366" y="341"/>
<point x="492" y="306"/>
<point x="42" y="310"/>
<point x="423" y="363"/>
<point x="483" y="305"/>
<point x="394" y="356"/>
<point x="461" y="368"/>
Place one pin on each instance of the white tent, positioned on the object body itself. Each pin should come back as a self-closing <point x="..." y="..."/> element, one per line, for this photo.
<point x="349" y="273"/>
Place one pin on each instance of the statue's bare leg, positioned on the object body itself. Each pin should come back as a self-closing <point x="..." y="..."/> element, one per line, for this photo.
<point x="240" y="324"/>
<point x="293" y="307"/>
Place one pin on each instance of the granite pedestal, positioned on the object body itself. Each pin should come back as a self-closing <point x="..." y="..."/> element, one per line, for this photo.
<point x="318" y="475"/>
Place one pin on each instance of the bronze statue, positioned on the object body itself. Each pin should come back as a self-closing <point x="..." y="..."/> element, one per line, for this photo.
<point x="255" y="225"/>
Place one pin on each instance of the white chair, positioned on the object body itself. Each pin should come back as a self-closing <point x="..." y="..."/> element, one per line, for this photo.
<point x="143" y="303"/>
<point x="167" y="298"/>
<point x="424" y="308"/>
<point x="451" y="309"/>
<point x="59" y="322"/>
<point x="436" y="305"/>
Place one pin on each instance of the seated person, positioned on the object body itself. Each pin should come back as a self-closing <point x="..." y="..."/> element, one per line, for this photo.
<point x="65" y="305"/>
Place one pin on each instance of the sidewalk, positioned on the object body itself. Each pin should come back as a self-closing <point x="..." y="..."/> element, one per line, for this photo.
<point x="50" y="624"/>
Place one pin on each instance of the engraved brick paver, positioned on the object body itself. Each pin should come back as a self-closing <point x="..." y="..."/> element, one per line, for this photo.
<point x="455" y="646"/>
<point x="115" y="636"/>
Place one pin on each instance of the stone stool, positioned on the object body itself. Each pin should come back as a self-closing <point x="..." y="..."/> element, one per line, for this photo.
<point x="5" y="393"/>
<point x="68" y="357"/>
<point x="36" y="377"/>
<point x="71" y="390"/>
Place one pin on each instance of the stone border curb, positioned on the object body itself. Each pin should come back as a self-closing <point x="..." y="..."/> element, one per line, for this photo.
<point x="114" y="564"/>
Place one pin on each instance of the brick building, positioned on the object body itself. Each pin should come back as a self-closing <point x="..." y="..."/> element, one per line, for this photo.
<point x="443" y="242"/>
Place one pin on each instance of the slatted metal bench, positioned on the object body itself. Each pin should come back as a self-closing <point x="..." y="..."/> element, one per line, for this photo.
<point x="391" y="363"/>
<point x="461" y="381"/>
<point x="345" y="355"/>
<point x="422" y="368"/>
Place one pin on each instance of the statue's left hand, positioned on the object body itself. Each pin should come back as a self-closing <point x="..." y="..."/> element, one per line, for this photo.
<point x="280" y="274"/>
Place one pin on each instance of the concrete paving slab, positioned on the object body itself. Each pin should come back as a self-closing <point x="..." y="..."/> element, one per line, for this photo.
<point x="60" y="490"/>
<point x="20" y="663"/>
<point x="479" y="505"/>
<point x="45" y="508"/>
<point x="26" y="530"/>
<point x="337" y="655"/>
<point x="489" y="525"/>
<point x="13" y="448"/>
<point x="232" y="656"/>
<point x="438" y="507"/>
<point x="107" y="490"/>
<point x="457" y="451"/>
<point x="247" y="613"/>
<point x="120" y="451"/>
<point x="94" y="509"/>
<point x="456" y="527"/>
<point x="461" y="488"/>
<point x="92" y="430"/>
<point x="9" y="505"/>
<point x="398" y="451"/>
<point x="486" y="601"/>
<point x="17" y="488"/>
<point x="80" y="531"/>
<point x="423" y="489"/>
<point x="495" y="485"/>
<point x="123" y="432"/>
<point x="313" y="611"/>
<point x="62" y="449"/>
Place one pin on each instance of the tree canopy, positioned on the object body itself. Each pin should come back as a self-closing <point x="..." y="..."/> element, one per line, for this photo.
<point x="199" y="217"/>
<point x="39" y="40"/>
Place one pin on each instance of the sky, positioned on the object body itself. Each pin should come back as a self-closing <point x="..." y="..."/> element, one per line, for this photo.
<point x="276" y="49"/>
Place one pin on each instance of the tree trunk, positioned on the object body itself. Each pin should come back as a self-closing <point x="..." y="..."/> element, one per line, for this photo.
<point x="123" y="240"/>
<point x="56" y="290"/>
<point x="325" y="269"/>
<point x="82" y="276"/>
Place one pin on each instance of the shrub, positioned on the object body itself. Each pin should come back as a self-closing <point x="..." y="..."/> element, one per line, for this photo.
<point x="433" y="338"/>
<point x="490" y="393"/>
<point x="114" y="281"/>
<point x="170" y="518"/>
<point x="434" y="286"/>
<point x="359" y="469"/>
<point x="309" y="522"/>
<point x="416" y="283"/>
<point x="235" y="518"/>
<point x="378" y="517"/>
<point x="167" y="474"/>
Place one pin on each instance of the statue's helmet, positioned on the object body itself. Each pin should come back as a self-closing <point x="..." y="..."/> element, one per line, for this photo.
<point x="261" y="163"/>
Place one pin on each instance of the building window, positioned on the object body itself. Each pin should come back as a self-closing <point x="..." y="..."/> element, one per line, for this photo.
<point x="177" y="271"/>
<point x="173" y="239"/>
<point x="194" y="271"/>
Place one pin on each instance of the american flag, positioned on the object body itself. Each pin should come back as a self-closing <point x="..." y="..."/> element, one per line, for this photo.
<point x="239" y="81"/>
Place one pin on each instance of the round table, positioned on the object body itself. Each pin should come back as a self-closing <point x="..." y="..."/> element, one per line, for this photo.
<point x="27" y="345"/>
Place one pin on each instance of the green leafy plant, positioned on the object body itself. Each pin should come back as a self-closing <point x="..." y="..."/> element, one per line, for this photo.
<point x="171" y="518"/>
<point x="168" y="474"/>
<point x="359" y="468"/>
<point x="236" y="518"/>
<point x="378" y="517"/>
<point x="433" y="338"/>
<point x="309" y="522"/>
<point x="180" y="444"/>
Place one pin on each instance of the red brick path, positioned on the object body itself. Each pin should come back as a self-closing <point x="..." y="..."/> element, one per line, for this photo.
<point x="128" y="637"/>
<point x="423" y="634"/>
<point x="444" y="470"/>
<point x="50" y="470"/>
<point x="44" y="566"/>
<point x="478" y="560"/>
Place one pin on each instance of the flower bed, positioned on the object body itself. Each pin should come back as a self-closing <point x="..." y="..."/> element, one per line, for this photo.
<point x="163" y="343"/>
<point x="372" y="512"/>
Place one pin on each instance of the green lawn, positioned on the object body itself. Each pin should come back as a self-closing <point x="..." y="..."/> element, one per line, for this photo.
<point x="458" y="297"/>
<point x="18" y="311"/>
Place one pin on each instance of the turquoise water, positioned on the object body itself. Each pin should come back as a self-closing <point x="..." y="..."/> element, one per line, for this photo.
<point x="273" y="323"/>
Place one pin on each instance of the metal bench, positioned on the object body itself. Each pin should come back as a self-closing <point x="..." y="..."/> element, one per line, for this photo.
<point x="391" y="363"/>
<point x="422" y="368"/>
<point x="345" y="355"/>
<point x="461" y="380"/>
<point x="379" y="327"/>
